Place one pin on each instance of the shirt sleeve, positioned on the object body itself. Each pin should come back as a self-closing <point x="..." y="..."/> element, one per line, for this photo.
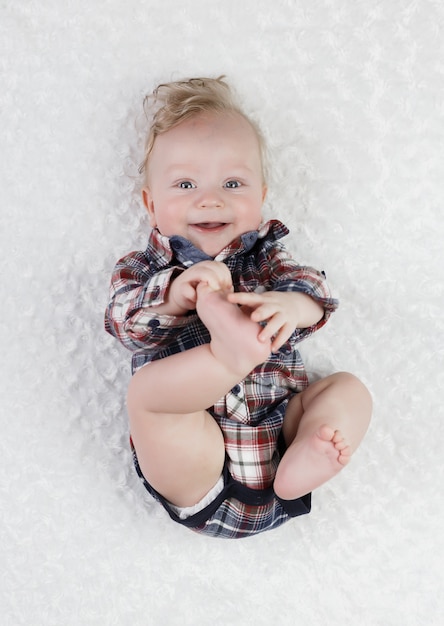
<point x="287" y="275"/>
<point x="131" y="316"/>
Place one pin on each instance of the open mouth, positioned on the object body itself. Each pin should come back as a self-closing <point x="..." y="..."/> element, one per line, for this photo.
<point x="210" y="226"/>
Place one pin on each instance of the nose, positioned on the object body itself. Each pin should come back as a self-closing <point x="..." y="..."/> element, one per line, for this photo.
<point x="210" y="198"/>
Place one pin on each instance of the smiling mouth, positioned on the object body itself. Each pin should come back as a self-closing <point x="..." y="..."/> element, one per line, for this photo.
<point x="210" y="226"/>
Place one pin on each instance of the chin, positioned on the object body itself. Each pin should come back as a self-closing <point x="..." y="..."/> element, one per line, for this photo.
<point x="212" y="250"/>
<point x="213" y="253"/>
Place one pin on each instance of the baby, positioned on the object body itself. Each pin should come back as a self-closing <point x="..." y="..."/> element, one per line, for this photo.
<point x="226" y="432"/>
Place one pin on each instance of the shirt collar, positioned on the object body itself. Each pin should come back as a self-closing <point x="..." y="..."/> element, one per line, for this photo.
<point x="162" y="249"/>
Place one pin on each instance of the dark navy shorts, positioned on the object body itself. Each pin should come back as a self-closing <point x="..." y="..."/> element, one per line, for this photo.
<point x="237" y="511"/>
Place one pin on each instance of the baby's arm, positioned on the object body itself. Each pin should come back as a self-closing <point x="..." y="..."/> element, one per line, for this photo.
<point x="136" y="293"/>
<point x="148" y="309"/>
<point x="296" y="298"/>
<point x="284" y="311"/>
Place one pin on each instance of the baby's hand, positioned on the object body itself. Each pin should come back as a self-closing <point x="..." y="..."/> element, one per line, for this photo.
<point x="283" y="311"/>
<point x="182" y="291"/>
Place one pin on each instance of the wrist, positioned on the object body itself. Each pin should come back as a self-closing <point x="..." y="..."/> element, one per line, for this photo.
<point x="309" y="310"/>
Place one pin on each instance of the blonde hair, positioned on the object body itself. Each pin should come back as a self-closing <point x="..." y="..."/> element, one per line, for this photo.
<point x="174" y="102"/>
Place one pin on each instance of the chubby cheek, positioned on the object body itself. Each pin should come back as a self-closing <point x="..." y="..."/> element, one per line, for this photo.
<point x="167" y="220"/>
<point x="252" y="217"/>
<point x="160" y="211"/>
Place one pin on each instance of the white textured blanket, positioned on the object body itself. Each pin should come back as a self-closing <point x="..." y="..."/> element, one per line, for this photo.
<point x="351" y="98"/>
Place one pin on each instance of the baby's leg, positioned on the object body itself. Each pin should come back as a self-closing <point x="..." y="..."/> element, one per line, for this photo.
<point x="179" y="445"/>
<point x="181" y="456"/>
<point x="203" y="374"/>
<point x="323" y="426"/>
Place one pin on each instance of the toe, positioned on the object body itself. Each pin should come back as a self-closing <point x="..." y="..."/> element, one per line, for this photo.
<point x="341" y="445"/>
<point x="344" y="456"/>
<point x="337" y="437"/>
<point x="326" y="433"/>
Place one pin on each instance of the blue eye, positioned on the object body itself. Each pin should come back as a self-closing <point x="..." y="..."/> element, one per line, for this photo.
<point x="186" y="184"/>
<point x="232" y="184"/>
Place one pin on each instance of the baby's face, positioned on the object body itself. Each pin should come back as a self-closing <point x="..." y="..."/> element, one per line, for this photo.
<point x="205" y="181"/>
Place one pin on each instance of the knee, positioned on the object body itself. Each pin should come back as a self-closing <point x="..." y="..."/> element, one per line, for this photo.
<point x="138" y="400"/>
<point x="351" y="380"/>
<point x="353" y="385"/>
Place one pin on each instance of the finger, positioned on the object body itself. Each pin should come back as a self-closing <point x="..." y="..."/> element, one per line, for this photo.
<point x="223" y="273"/>
<point x="214" y="283"/>
<point x="227" y="286"/>
<point x="274" y="325"/>
<point x="278" y="332"/>
<point x="264" y="312"/>
<point x="222" y="279"/>
<point x="213" y="279"/>
<point x="247" y="298"/>
<point x="270" y="330"/>
<point x="216" y="274"/>
<point x="203" y="288"/>
<point x="261" y="308"/>
<point x="281" y="338"/>
<point x="189" y="293"/>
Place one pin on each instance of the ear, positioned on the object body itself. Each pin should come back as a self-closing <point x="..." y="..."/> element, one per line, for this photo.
<point x="149" y="205"/>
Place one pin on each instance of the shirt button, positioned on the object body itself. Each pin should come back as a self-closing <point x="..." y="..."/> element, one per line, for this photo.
<point x="236" y="390"/>
<point x="153" y="323"/>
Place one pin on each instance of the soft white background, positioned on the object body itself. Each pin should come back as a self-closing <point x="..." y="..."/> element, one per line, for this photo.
<point x="350" y="94"/>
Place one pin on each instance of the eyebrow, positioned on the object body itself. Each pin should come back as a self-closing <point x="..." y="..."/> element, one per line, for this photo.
<point x="180" y="167"/>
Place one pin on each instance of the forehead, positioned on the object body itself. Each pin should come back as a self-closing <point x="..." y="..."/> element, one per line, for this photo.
<point x="206" y="138"/>
<point x="225" y="128"/>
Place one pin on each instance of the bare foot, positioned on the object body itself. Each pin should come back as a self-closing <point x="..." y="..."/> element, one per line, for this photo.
<point x="311" y="461"/>
<point x="234" y="336"/>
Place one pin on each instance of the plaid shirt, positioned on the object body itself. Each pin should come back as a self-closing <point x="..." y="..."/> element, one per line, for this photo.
<point x="257" y="261"/>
